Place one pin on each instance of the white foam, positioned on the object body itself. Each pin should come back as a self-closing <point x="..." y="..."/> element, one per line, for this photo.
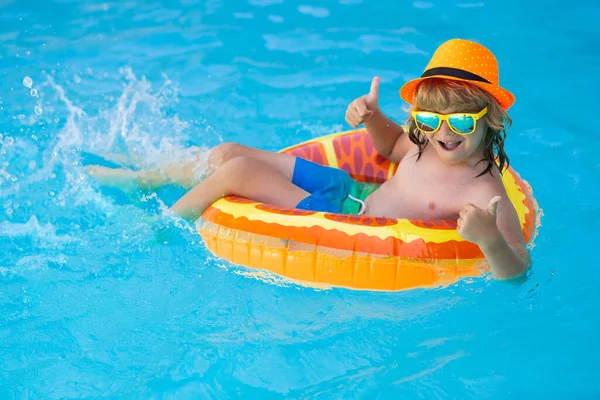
<point x="44" y="233"/>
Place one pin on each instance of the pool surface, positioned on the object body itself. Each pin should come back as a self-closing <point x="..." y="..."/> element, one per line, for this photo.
<point x="98" y="301"/>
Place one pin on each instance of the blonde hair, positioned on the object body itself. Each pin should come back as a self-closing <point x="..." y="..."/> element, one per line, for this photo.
<point x="438" y="94"/>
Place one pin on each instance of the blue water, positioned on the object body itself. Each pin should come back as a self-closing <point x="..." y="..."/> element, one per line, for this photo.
<point x="97" y="302"/>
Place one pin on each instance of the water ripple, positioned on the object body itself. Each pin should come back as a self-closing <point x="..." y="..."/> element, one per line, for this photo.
<point x="301" y="41"/>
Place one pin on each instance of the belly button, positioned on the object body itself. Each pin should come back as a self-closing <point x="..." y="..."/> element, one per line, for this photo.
<point x="431" y="205"/>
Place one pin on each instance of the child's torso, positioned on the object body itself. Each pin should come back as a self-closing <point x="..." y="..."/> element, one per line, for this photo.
<point x="425" y="189"/>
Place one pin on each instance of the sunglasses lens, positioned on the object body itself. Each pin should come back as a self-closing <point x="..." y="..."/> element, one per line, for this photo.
<point x="427" y="122"/>
<point x="462" y="123"/>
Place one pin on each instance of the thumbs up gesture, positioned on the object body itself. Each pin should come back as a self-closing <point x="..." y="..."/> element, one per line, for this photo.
<point x="477" y="225"/>
<point x="362" y="108"/>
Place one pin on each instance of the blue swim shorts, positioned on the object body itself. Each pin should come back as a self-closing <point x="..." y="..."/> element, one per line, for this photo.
<point x="331" y="189"/>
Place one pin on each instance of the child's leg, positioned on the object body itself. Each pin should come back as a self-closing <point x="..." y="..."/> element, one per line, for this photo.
<point x="187" y="174"/>
<point x="242" y="176"/>
<point x="184" y="174"/>
<point x="282" y="163"/>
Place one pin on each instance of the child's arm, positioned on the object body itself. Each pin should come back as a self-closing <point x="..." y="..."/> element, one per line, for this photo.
<point x="388" y="137"/>
<point x="497" y="232"/>
<point x="506" y="261"/>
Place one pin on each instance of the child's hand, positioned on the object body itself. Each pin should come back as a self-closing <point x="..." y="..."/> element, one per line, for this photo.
<point x="479" y="226"/>
<point x="361" y="109"/>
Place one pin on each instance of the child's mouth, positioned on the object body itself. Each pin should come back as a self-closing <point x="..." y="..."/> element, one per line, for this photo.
<point x="450" y="145"/>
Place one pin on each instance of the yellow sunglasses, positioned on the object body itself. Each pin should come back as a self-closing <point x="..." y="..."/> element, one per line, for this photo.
<point x="459" y="123"/>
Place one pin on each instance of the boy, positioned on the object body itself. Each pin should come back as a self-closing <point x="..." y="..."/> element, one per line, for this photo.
<point x="446" y="157"/>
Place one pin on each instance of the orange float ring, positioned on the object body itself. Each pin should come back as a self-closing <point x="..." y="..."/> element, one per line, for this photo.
<point x="359" y="252"/>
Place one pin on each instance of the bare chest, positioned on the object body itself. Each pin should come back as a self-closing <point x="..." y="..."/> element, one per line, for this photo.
<point x="423" y="189"/>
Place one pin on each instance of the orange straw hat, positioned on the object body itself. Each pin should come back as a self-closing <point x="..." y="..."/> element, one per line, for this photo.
<point x="463" y="60"/>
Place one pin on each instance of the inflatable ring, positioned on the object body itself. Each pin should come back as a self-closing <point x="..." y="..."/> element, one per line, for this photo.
<point x="359" y="252"/>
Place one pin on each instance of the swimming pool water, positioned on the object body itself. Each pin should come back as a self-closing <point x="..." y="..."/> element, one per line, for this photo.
<point x="95" y="301"/>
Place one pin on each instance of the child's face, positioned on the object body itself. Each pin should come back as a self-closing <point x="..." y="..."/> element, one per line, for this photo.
<point x="454" y="148"/>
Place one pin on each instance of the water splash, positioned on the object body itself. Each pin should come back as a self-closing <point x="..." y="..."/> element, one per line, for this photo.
<point x="45" y="234"/>
<point x="141" y="133"/>
<point x="139" y="130"/>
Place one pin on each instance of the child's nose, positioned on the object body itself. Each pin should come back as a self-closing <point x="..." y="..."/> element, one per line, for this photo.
<point x="444" y="128"/>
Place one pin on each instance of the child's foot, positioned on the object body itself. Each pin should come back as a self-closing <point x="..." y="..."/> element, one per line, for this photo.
<point x="124" y="179"/>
